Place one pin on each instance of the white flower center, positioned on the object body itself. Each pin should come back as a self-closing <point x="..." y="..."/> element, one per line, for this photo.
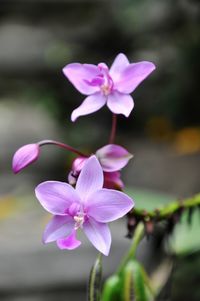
<point x="79" y="220"/>
<point x="105" y="89"/>
<point x="107" y="86"/>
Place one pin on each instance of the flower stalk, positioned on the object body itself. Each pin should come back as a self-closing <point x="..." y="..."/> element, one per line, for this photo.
<point x="94" y="288"/>
<point x="62" y="145"/>
<point x="138" y="236"/>
<point x="113" y="129"/>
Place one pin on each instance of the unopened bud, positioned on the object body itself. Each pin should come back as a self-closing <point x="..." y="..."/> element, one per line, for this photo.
<point x="25" y="156"/>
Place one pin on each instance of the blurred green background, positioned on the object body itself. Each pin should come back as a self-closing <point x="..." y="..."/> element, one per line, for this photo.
<point x="37" y="39"/>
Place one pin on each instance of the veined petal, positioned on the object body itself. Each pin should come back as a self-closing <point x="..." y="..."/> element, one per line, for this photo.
<point x="56" y="197"/>
<point x="90" y="178"/>
<point x="69" y="243"/>
<point x="80" y="75"/>
<point x="90" y="105"/>
<point x="120" y="103"/>
<point x="113" y="157"/>
<point x="132" y="76"/>
<point x="107" y="205"/>
<point x="99" y="235"/>
<point x="24" y="156"/>
<point x="59" y="226"/>
<point x="118" y="66"/>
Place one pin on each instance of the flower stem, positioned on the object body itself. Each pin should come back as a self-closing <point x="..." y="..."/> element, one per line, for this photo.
<point x="138" y="236"/>
<point x="62" y="145"/>
<point x="113" y="129"/>
<point x="94" y="288"/>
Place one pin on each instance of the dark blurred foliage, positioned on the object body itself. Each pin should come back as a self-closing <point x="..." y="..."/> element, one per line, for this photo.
<point x="179" y="286"/>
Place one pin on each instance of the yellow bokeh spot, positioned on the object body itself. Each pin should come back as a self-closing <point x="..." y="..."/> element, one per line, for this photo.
<point x="187" y="140"/>
<point x="7" y="206"/>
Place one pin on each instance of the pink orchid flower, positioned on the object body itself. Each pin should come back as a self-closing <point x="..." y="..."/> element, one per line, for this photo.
<point x="107" y="86"/>
<point x="112" y="158"/>
<point x="88" y="207"/>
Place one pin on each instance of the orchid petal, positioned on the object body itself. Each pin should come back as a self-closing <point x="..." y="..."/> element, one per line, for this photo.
<point x="91" y="104"/>
<point x="24" y="156"/>
<point x="118" y="66"/>
<point x="120" y="103"/>
<point x="56" y="197"/>
<point x="69" y="243"/>
<point x="107" y="205"/>
<point x="80" y="75"/>
<point x="99" y="235"/>
<point x="90" y="178"/>
<point x="132" y="76"/>
<point x="113" y="157"/>
<point x="59" y="226"/>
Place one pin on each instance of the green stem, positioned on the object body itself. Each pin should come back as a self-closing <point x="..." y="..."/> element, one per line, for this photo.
<point x="94" y="289"/>
<point x="138" y="235"/>
<point x="148" y="282"/>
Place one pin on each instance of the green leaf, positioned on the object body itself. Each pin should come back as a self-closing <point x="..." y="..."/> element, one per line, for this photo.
<point x="133" y="283"/>
<point x="148" y="284"/>
<point x="148" y="199"/>
<point x="94" y="291"/>
<point x="185" y="238"/>
<point x="111" y="289"/>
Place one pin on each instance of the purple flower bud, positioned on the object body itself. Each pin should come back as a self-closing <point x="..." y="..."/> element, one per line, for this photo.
<point x="24" y="156"/>
<point x="112" y="180"/>
<point x="72" y="177"/>
<point x="78" y="164"/>
<point x="113" y="157"/>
